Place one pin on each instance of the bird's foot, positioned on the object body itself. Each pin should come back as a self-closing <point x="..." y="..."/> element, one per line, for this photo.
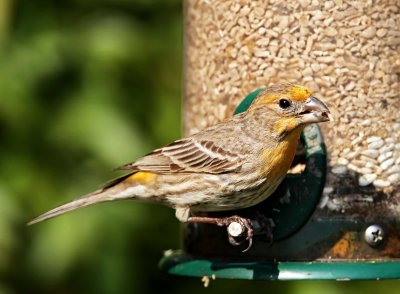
<point x="241" y="229"/>
<point x="237" y="228"/>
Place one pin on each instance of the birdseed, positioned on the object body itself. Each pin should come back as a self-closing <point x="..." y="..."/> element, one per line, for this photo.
<point x="346" y="51"/>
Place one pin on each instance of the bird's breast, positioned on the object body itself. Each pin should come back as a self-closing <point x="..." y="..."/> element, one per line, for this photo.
<point x="276" y="161"/>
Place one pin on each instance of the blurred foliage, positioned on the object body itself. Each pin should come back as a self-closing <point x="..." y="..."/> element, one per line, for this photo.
<point x="86" y="85"/>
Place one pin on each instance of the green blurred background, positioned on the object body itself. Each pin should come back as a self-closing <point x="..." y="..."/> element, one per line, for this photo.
<point x="87" y="85"/>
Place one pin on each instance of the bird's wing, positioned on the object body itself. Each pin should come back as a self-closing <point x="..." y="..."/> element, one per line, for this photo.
<point x="188" y="155"/>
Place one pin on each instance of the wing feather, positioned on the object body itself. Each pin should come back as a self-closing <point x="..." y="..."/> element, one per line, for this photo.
<point x="188" y="155"/>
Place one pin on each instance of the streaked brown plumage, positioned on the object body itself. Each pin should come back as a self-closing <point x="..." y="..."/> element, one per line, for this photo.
<point x="234" y="164"/>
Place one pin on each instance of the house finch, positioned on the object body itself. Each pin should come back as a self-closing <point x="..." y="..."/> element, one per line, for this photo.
<point x="232" y="165"/>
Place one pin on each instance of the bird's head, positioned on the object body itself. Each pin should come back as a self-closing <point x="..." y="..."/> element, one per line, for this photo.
<point x="290" y="107"/>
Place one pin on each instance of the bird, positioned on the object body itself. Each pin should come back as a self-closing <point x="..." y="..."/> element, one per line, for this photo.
<point x="231" y="165"/>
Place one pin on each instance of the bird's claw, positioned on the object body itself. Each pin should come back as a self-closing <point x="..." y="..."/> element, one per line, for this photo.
<point x="240" y="229"/>
<point x="245" y="229"/>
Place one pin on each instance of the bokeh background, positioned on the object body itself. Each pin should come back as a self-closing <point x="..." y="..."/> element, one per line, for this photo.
<point x="87" y="85"/>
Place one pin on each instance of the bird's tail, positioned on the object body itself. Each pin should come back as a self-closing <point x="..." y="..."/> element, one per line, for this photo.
<point x="75" y="204"/>
<point x="102" y="195"/>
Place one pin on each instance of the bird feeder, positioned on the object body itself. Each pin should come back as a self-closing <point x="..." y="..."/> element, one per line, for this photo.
<point x="337" y="214"/>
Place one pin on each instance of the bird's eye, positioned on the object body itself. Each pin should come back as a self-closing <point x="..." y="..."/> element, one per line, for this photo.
<point x="284" y="103"/>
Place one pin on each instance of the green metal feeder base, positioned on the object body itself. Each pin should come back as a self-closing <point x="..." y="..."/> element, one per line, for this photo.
<point x="179" y="263"/>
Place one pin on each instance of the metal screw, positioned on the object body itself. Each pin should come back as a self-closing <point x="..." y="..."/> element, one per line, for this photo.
<point x="374" y="235"/>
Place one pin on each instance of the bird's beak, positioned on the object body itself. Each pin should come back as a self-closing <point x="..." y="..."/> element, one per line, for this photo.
<point x="314" y="111"/>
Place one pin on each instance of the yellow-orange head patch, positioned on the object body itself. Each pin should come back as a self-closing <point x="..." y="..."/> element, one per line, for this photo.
<point x="293" y="92"/>
<point x="299" y="93"/>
